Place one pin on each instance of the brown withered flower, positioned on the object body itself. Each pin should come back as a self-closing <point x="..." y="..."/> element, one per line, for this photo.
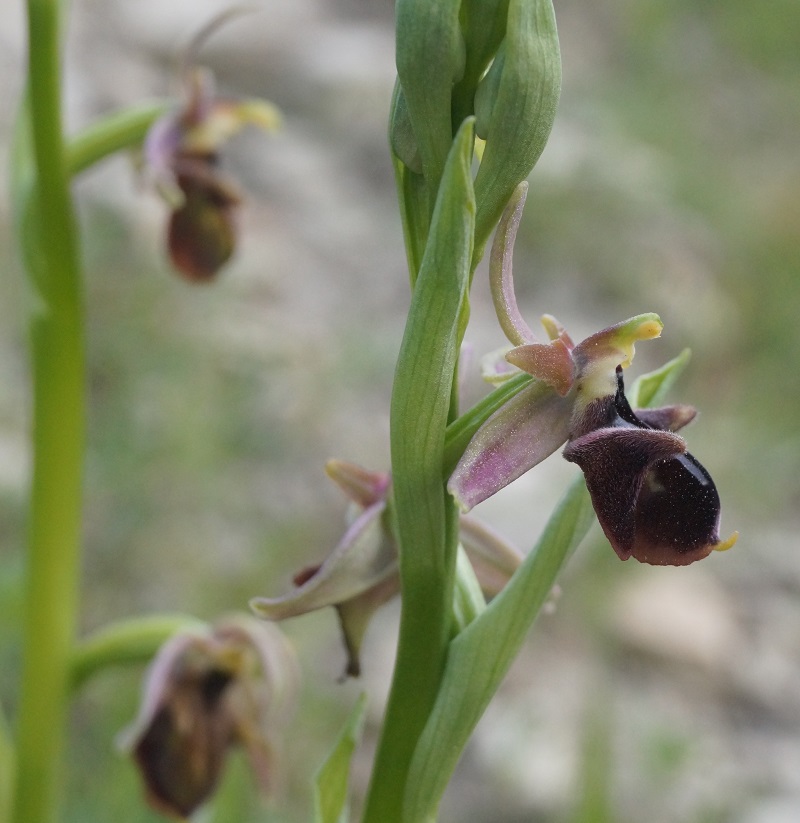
<point x="361" y="574"/>
<point x="181" y="155"/>
<point x="206" y="692"/>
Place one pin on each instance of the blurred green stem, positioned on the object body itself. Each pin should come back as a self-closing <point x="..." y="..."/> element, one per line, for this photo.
<point x="127" y="641"/>
<point x="57" y="350"/>
<point x="117" y="131"/>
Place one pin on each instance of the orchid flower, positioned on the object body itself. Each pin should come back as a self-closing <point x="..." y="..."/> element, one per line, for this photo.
<point x="181" y="154"/>
<point x="205" y="692"/>
<point x="654" y="500"/>
<point x="361" y="573"/>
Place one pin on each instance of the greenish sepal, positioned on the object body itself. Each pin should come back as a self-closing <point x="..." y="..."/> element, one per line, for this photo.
<point x="125" y="642"/>
<point x="522" y="111"/>
<point x="333" y="776"/>
<point x="480" y="656"/>
<point x="651" y="388"/>
<point x="430" y="58"/>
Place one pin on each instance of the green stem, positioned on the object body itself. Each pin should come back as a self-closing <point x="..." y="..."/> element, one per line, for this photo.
<point x="426" y="517"/>
<point x="120" y="130"/>
<point x="58" y="435"/>
<point x="125" y="642"/>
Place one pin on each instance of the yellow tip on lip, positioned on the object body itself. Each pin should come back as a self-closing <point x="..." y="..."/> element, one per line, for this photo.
<point x="726" y="544"/>
<point x="649" y="329"/>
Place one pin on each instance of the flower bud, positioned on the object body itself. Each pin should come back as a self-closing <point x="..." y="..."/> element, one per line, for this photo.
<point x="515" y="105"/>
<point x="430" y="59"/>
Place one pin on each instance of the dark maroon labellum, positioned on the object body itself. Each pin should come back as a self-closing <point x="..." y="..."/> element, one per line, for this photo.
<point x="654" y="500"/>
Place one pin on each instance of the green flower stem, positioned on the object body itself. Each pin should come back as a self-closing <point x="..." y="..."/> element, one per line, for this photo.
<point x="426" y="518"/>
<point x="57" y="347"/>
<point x="125" y="642"/>
<point x="120" y="130"/>
<point x="7" y="767"/>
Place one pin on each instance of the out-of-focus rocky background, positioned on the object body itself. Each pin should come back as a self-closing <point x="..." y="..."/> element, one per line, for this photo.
<point x="671" y="184"/>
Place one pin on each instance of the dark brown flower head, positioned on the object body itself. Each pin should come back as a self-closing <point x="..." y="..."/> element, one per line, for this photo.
<point x="204" y="693"/>
<point x="654" y="500"/>
<point x="181" y="155"/>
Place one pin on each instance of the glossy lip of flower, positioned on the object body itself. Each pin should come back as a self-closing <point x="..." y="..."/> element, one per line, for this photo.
<point x="654" y="500"/>
<point x="206" y="691"/>
<point x="181" y="155"/>
<point x="641" y="479"/>
<point x="361" y="572"/>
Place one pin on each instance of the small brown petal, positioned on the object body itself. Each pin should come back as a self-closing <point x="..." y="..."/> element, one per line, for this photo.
<point x="667" y="418"/>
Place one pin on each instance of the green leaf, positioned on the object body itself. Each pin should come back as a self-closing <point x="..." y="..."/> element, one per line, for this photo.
<point x="333" y="777"/>
<point x="483" y="23"/>
<point x="481" y="655"/>
<point x="650" y="389"/>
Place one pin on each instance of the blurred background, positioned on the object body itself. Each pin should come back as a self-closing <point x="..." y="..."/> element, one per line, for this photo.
<point x="671" y="184"/>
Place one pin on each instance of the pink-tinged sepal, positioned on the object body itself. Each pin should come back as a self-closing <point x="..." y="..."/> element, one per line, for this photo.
<point x="550" y="362"/>
<point x="359" y="575"/>
<point x="518" y="436"/>
<point x="667" y="418"/>
<point x="362" y="486"/>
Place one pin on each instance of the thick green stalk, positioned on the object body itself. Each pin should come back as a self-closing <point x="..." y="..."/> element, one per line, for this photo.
<point x="426" y="518"/>
<point x="58" y="434"/>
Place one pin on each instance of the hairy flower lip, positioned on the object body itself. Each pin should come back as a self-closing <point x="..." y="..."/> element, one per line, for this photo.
<point x="654" y="500"/>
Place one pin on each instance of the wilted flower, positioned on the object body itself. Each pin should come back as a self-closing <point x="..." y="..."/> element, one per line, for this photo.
<point x="205" y="692"/>
<point x="654" y="500"/>
<point x="361" y="573"/>
<point x="181" y="155"/>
